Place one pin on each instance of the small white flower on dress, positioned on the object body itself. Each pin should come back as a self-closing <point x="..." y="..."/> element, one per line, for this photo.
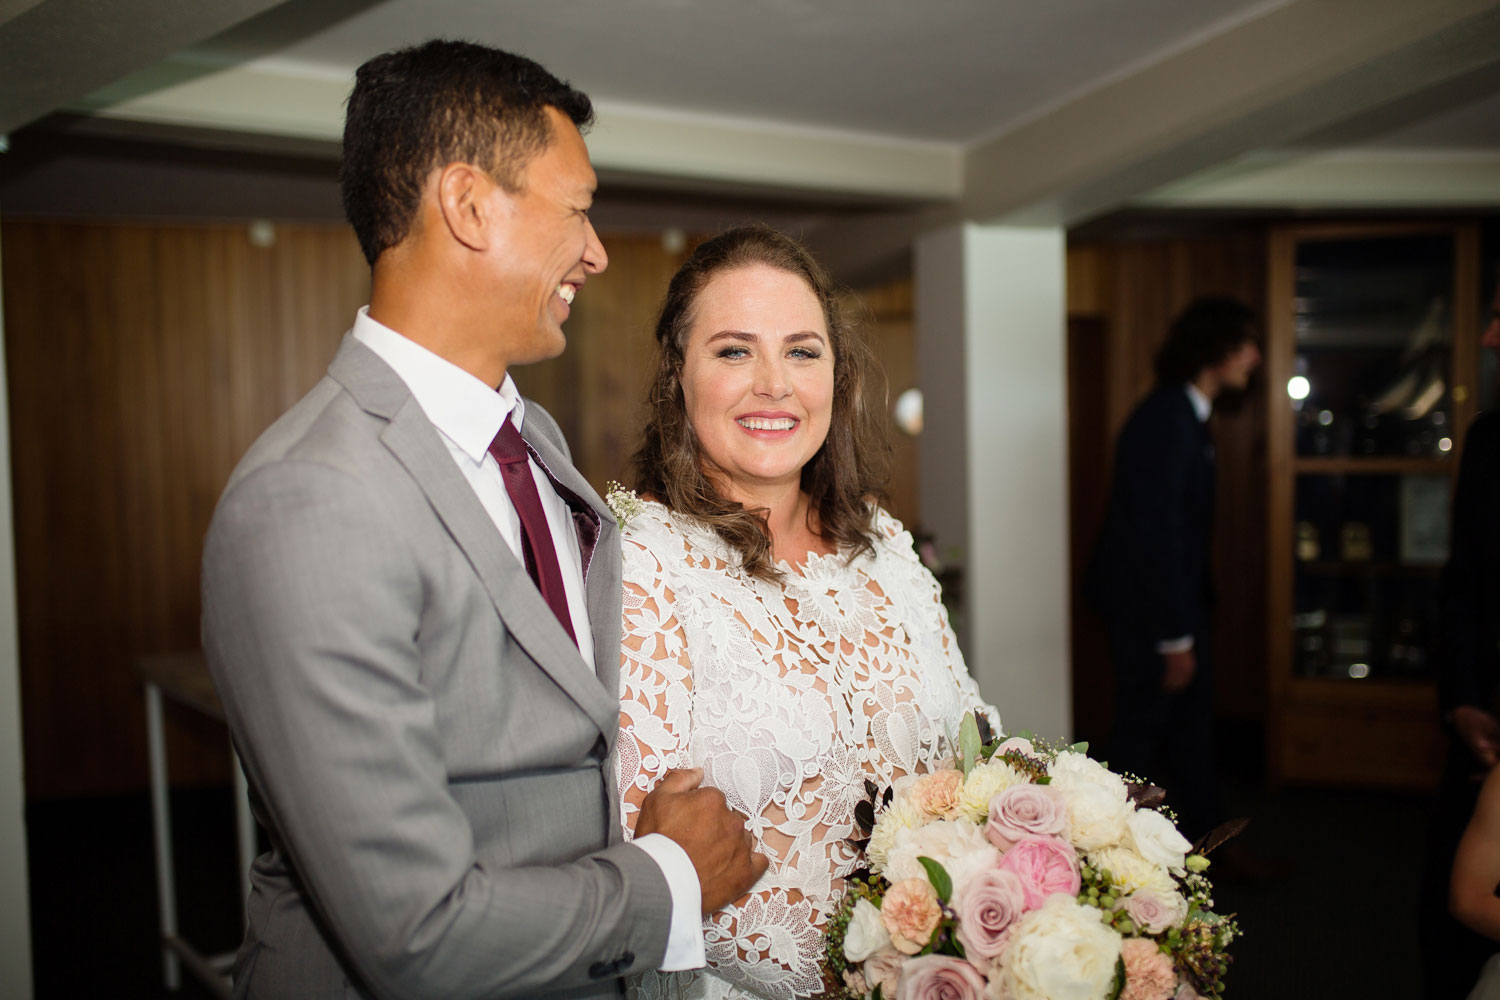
<point x="623" y="503"/>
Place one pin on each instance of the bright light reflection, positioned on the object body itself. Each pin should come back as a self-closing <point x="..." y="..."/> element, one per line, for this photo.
<point x="1298" y="387"/>
<point x="1325" y="417"/>
<point x="1445" y="444"/>
<point x="1359" y="671"/>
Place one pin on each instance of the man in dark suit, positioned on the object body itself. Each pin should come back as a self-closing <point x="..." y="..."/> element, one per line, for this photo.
<point x="1149" y="576"/>
<point x="411" y="599"/>
<point x="1468" y="673"/>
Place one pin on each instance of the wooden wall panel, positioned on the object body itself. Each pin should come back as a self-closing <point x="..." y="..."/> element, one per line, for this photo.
<point x="1144" y="285"/>
<point x="143" y="361"/>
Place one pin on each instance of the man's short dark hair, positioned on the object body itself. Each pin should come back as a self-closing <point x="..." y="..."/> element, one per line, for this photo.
<point x="441" y="102"/>
<point x="1205" y="333"/>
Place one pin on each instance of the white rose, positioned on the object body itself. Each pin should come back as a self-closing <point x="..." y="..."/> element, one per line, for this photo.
<point x="1061" y="951"/>
<point x="1071" y="770"/>
<point x="943" y="841"/>
<point x="897" y="818"/>
<point x="965" y="866"/>
<point x="1131" y="872"/>
<point x="984" y="783"/>
<point x="1096" y="816"/>
<point x="866" y="933"/>
<point x="1157" y="840"/>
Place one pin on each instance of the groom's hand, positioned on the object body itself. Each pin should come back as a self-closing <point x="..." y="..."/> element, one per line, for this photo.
<point x="713" y="835"/>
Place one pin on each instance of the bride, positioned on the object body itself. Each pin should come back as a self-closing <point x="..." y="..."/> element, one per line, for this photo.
<point x="779" y="631"/>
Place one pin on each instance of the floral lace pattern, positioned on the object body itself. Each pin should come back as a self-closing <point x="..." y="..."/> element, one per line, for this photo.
<point x="788" y="696"/>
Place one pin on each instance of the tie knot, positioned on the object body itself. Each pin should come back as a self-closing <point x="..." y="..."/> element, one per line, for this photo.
<point x="508" y="448"/>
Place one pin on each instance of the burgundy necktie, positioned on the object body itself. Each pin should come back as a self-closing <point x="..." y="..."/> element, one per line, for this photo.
<point x="536" y="538"/>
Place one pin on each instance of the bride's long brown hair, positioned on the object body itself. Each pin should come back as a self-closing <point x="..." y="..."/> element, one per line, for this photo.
<point x="846" y="476"/>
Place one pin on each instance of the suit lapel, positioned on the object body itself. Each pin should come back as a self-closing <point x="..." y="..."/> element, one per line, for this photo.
<point x="419" y="448"/>
<point x="601" y="560"/>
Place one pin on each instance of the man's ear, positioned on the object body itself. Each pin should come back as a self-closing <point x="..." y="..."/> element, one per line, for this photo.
<point x="465" y="203"/>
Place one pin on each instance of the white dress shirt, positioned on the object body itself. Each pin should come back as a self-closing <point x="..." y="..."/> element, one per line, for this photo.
<point x="468" y="414"/>
<point x="1202" y="407"/>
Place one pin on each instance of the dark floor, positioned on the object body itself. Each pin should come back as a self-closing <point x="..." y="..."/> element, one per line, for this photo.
<point x="1343" y="927"/>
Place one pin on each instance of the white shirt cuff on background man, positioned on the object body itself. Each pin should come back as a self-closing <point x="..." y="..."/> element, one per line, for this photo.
<point x="685" y="936"/>
<point x="1179" y="645"/>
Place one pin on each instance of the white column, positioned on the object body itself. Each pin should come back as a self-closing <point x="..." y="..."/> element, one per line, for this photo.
<point x="15" y="909"/>
<point x="992" y="364"/>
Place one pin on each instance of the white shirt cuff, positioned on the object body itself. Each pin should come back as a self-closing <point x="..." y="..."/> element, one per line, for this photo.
<point x="685" y="937"/>
<point x="1181" y="644"/>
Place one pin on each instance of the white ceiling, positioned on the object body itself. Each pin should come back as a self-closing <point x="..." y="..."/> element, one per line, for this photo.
<point x="922" y="112"/>
<point x="946" y="71"/>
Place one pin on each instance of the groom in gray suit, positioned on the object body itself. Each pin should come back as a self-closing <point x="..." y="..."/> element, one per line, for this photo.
<point x="411" y="599"/>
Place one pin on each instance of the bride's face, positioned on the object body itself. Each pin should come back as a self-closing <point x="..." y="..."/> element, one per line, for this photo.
<point x="757" y="378"/>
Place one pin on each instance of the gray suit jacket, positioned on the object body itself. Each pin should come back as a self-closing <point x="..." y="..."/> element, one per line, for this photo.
<point x="429" y="751"/>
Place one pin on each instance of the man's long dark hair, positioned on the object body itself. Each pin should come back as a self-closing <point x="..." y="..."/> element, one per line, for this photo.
<point x="846" y="475"/>
<point x="419" y="108"/>
<point x="1204" y="334"/>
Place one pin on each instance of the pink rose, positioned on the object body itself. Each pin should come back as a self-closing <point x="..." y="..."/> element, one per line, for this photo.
<point x="883" y="969"/>
<point x="987" y="905"/>
<point x="1023" y="810"/>
<point x="1148" y="972"/>
<point x="938" y="977"/>
<point x="910" y="911"/>
<point x="936" y="794"/>
<point x="854" y="979"/>
<point x="1046" y="865"/>
<point x="1152" y="913"/>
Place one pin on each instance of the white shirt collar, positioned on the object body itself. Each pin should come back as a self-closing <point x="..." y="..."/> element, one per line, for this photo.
<point x="467" y="411"/>
<point x="1202" y="405"/>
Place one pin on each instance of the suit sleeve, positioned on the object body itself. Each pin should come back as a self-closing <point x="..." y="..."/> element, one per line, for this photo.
<point x="312" y="609"/>
<point x="1463" y="627"/>
<point x="1153" y="463"/>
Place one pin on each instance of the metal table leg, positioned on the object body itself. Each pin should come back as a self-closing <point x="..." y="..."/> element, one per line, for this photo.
<point x="161" y="832"/>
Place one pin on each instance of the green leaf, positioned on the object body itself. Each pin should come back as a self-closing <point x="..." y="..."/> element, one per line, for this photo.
<point x="1118" y="985"/>
<point x="1080" y="747"/>
<point x="968" y="742"/>
<point x="938" y="876"/>
<point x="876" y="994"/>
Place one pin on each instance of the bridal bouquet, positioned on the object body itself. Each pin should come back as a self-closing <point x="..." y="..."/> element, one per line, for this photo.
<point x="1026" y="872"/>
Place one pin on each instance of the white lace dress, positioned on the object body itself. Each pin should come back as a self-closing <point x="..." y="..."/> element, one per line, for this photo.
<point x="788" y="696"/>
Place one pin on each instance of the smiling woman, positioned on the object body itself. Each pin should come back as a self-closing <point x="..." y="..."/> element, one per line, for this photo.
<point x="779" y="630"/>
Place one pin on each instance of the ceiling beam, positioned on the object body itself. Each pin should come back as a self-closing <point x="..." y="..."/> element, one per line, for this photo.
<point x="103" y="40"/>
<point x="1297" y="69"/>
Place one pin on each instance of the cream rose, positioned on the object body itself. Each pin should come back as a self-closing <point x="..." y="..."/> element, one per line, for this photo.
<point x="866" y="934"/>
<point x="1062" y="951"/>
<point x="944" y="841"/>
<point x="1096" y="817"/>
<point x="983" y="783"/>
<point x="1156" y="839"/>
<point x="883" y="969"/>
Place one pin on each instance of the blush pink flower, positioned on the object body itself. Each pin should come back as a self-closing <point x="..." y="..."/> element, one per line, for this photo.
<point x="1153" y="913"/>
<point x="938" y="977"/>
<point x="883" y="969"/>
<point x="936" y="794"/>
<point x="1046" y="865"/>
<point x="1025" y="810"/>
<point x="911" y="913"/>
<point x="988" y="904"/>
<point x="1148" y="972"/>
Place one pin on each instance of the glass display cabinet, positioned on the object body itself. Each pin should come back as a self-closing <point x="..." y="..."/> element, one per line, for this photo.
<point x="1371" y="363"/>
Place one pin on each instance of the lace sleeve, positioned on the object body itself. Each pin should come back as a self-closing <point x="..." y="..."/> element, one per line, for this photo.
<point x="929" y="609"/>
